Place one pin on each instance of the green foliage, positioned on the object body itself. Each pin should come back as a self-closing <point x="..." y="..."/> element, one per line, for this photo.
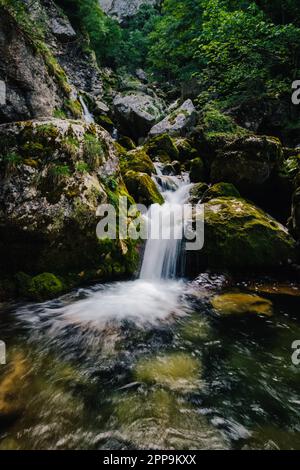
<point x="93" y="150"/>
<point x="231" y="47"/>
<point x="44" y="286"/>
<point x="82" y="167"/>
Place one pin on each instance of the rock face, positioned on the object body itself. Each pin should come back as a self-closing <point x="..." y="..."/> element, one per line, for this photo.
<point x="178" y="122"/>
<point x="239" y="236"/>
<point x="54" y="175"/>
<point x="123" y="9"/>
<point x="247" y="162"/>
<point x="31" y="91"/>
<point x="136" y="113"/>
<point x="43" y="74"/>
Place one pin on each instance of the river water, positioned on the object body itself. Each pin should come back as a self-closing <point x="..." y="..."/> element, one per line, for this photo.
<point x="147" y="364"/>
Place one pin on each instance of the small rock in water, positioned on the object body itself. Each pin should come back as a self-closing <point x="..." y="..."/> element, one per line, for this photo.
<point x="239" y="304"/>
<point x="178" y="371"/>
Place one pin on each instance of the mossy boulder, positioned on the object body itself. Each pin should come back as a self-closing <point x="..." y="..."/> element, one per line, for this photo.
<point x="197" y="172"/>
<point x="137" y="160"/>
<point x="48" y="211"/>
<point x="136" y="112"/>
<point x="186" y="152"/>
<point x="239" y="236"/>
<point x="220" y="190"/>
<point x="142" y="188"/>
<point x="240" y="304"/>
<point x="162" y="148"/>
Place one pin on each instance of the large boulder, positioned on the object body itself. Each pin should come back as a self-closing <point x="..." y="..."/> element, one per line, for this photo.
<point x="239" y="236"/>
<point x="136" y="112"/>
<point x="136" y="160"/>
<point x="247" y="162"/>
<point x="142" y="188"/>
<point x="178" y="123"/>
<point x="54" y="174"/>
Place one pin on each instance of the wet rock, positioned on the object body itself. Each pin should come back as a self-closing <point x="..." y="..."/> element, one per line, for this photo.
<point x="186" y="152"/>
<point x="178" y="123"/>
<point x="239" y="236"/>
<point x="239" y="304"/>
<point x="142" y="188"/>
<point x="136" y="112"/>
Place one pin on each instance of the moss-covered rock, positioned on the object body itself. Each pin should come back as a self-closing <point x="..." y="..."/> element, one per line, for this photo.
<point x="142" y="188"/>
<point x="186" y="151"/>
<point x="239" y="304"/>
<point x="220" y="190"/>
<point x="197" y="170"/>
<point x="126" y="142"/>
<point x="162" y="148"/>
<point x="136" y="160"/>
<point x="44" y="286"/>
<point x="239" y="236"/>
<point x="48" y="219"/>
<point x="197" y="191"/>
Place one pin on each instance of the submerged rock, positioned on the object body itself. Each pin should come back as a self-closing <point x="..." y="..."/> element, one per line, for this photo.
<point x="178" y="123"/>
<point x="142" y="188"/>
<point x="177" y="371"/>
<point x="136" y="113"/>
<point x="12" y="387"/>
<point x="239" y="236"/>
<point x="239" y="304"/>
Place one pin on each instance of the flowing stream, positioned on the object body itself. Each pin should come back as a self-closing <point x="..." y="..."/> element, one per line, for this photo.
<point x="145" y="363"/>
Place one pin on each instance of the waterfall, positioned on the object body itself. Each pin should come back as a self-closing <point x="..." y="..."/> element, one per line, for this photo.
<point x="87" y="116"/>
<point x="162" y="254"/>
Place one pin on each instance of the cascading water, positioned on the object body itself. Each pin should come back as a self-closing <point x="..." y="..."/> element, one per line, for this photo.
<point x="162" y="252"/>
<point x="87" y="115"/>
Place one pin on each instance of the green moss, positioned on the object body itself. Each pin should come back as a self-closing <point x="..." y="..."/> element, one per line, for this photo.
<point x="220" y="190"/>
<point x="105" y="122"/>
<point x="162" y="148"/>
<point x="44" y="286"/>
<point x="142" y="188"/>
<point x="197" y="170"/>
<point x="186" y="152"/>
<point x="73" y="107"/>
<point x="216" y="122"/>
<point x="136" y="160"/>
<point x="94" y="150"/>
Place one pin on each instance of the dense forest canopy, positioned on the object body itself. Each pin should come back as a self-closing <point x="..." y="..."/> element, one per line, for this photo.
<point x="234" y="48"/>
